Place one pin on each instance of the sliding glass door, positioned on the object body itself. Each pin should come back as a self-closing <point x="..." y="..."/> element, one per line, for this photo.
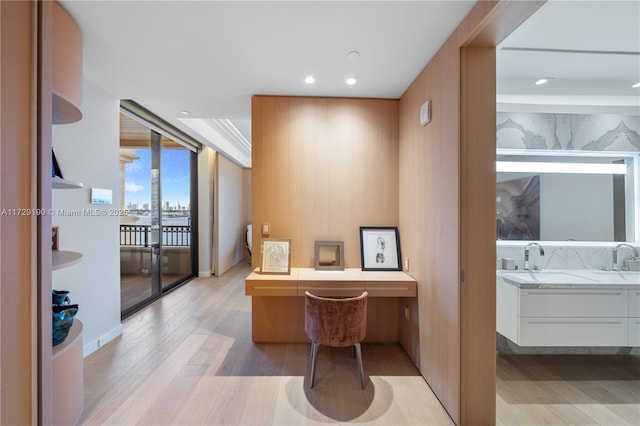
<point x="158" y="237"/>
<point x="176" y="214"/>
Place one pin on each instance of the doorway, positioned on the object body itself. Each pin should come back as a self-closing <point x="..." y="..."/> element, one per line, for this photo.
<point x="158" y="240"/>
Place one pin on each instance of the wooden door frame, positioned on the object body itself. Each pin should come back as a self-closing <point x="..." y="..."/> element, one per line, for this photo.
<point x="477" y="248"/>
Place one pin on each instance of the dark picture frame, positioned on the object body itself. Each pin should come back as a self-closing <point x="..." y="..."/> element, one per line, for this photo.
<point x="55" y="167"/>
<point x="55" y="238"/>
<point x="380" y="248"/>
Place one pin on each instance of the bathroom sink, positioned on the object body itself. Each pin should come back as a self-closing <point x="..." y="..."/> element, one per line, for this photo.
<point x="631" y="276"/>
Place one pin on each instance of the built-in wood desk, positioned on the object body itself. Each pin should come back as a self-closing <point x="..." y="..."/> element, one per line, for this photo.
<point x="277" y="304"/>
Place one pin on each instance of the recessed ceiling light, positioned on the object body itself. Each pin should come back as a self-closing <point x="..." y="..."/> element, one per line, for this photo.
<point x="542" y="81"/>
<point x="185" y="112"/>
<point x="353" y="54"/>
<point x="351" y="81"/>
<point x="309" y="79"/>
<point x="635" y="86"/>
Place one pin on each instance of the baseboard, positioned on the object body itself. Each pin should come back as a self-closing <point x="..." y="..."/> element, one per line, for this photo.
<point x="204" y="274"/>
<point x="92" y="346"/>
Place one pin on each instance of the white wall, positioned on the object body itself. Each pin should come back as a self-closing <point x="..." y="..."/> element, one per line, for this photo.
<point x="88" y="151"/>
<point x="230" y="207"/>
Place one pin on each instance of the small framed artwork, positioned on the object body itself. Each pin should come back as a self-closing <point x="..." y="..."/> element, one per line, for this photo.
<point x="55" y="235"/>
<point x="329" y="255"/>
<point x="380" y="248"/>
<point x="55" y="167"/>
<point x="101" y="196"/>
<point x="276" y="256"/>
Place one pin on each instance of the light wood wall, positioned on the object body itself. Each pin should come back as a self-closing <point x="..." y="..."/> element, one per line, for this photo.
<point x="321" y="168"/>
<point x="477" y="236"/>
<point x="447" y="203"/>
<point x="17" y="347"/>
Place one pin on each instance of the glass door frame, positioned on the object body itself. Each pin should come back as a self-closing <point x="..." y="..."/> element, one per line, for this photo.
<point x="156" y="234"/>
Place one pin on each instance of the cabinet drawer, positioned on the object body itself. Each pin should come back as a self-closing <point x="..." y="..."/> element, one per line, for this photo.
<point x="634" y="331"/>
<point x="634" y="303"/>
<point x="270" y="288"/>
<point x="574" y="332"/>
<point x="574" y="303"/>
<point x="391" y="288"/>
<point x="331" y="288"/>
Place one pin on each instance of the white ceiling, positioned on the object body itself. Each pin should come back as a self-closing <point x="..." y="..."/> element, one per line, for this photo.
<point x="210" y="57"/>
<point x="591" y="49"/>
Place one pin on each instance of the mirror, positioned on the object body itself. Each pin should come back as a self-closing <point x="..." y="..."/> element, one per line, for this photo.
<point x="585" y="205"/>
<point x="329" y="255"/>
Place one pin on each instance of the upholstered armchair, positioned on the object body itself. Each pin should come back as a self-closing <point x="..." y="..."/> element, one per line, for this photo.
<point x="335" y="322"/>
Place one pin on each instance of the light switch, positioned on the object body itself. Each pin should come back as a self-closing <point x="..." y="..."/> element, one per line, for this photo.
<point x="425" y="113"/>
<point x="265" y="229"/>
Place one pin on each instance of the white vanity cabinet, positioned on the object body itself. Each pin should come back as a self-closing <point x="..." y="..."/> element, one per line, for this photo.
<point x="634" y="317"/>
<point x="568" y="315"/>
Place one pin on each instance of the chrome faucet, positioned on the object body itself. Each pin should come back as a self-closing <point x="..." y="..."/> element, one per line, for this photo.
<point x="614" y="266"/>
<point x="526" y="254"/>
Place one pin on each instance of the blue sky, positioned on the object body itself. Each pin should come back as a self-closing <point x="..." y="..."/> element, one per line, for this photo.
<point x="175" y="177"/>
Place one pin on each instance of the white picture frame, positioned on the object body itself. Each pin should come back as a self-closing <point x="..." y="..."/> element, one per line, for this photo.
<point x="276" y="256"/>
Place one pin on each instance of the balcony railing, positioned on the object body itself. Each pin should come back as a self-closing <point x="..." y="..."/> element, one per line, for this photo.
<point x="140" y="235"/>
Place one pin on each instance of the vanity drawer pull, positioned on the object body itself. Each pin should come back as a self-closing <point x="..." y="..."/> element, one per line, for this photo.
<point x="572" y="322"/>
<point x="574" y="293"/>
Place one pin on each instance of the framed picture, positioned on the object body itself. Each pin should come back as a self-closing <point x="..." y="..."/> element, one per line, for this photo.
<point x="329" y="255"/>
<point x="55" y="167"/>
<point x="276" y="256"/>
<point x="55" y="235"/>
<point x="380" y="248"/>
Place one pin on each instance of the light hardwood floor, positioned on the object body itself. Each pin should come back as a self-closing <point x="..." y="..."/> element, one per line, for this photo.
<point x="135" y="288"/>
<point x="568" y="389"/>
<point x="188" y="359"/>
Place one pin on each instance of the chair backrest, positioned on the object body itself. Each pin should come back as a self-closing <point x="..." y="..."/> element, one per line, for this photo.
<point x="335" y="322"/>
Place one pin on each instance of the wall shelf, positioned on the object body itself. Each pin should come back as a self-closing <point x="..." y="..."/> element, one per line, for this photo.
<point x="59" y="183"/>
<point x="62" y="259"/>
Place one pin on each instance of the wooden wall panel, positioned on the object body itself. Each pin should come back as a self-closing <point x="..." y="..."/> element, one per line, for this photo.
<point x="477" y="235"/>
<point x="17" y="295"/>
<point x="322" y="167"/>
<point x="429" y="208"/>
<point x="434" y="181"/>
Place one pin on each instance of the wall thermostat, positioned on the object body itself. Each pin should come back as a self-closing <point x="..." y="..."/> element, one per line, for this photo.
<point x="425" y="113"/>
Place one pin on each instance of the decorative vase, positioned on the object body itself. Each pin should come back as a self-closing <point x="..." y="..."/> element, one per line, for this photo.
<point x="62" y="321"/>
<point x="60" y="297"/>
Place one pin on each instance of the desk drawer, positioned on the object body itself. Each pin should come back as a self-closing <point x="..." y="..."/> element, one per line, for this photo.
<point x="392" y="288"/>
<point x="331" y="288"/>
<point x="270" y="288"/>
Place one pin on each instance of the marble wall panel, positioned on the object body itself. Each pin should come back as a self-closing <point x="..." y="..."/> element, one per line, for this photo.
<point x="568" y="132"/>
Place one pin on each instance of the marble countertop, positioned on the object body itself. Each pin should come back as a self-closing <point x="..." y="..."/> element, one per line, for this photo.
<point x="572" y="278"/>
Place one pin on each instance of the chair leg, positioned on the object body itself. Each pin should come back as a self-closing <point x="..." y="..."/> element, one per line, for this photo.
<point x="314" y="358"/>
<point x="359" y="356"/>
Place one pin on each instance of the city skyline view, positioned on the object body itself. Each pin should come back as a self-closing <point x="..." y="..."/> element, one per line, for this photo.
<point x="175" y="182"/>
